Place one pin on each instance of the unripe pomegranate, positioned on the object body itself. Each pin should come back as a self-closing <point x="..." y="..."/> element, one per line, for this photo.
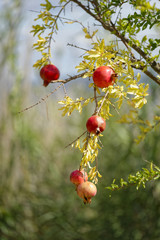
<point x="104" y="76"/>
<point x="95" y="124"/>
<point x="86" y="191"/>
<point x="78" y="176"/>
<point x="49" y="73"/>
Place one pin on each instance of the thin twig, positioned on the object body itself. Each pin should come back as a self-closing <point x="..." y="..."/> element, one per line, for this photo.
<point x="99" y="140"/>
<point x="96" y="164"/>
<point x="62" y="84"/>
<point x="88" y="137"/>
<point x="99" y="109"/>
<point x="95" y="98"/>
<point x="75" y="139"/>
<point x="47" y="110"/>
<point x="65" y="92"/>
<point x="115" y="109"/>
<point x="42" y="99"/>
<point x="72" y="45"/>
<point x="52" y="30"/>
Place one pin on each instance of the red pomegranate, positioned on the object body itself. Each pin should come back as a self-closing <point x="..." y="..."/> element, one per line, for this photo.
<point x="95" y="124"/>
<point x="104" y="76"/>
<point x="78" y="176"/>
<point x="49" y="73"/>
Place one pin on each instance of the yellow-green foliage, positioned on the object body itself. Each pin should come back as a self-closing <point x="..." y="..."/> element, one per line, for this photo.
<point x="128" y="89"/>
<point x="89" y="150"/>
<point x="139" y="179"/>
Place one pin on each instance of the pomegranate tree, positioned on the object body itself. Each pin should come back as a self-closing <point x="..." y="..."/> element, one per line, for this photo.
<point x="49" y="73"/>
<point x="86" y="191"/>
<point x="104" y="76"/>
<point x="95" y="124"/>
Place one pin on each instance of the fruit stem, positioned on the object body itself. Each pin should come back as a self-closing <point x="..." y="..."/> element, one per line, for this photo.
<point x="95" y="98"/>
<point x="87" y="140"/>
<point x="99" y="109"/>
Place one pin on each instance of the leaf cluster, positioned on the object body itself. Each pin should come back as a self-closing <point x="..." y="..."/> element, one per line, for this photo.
<point x="139" y="179"/>
<point x="145" y="126"/>
<point x="48" y="22"/>
<point x="102" y="54"/>
<point x="89" y="149"/>
<point x="107" y="99"/>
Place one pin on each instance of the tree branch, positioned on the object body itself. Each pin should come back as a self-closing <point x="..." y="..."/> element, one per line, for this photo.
<point x="45" y="98"/>
<point x="111" y="28"/>
<point x="69" y="79"/>
<point x="149" y="74"/>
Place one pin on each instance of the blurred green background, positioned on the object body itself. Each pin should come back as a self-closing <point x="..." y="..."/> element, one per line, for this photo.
<point x="37" y="200"/>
